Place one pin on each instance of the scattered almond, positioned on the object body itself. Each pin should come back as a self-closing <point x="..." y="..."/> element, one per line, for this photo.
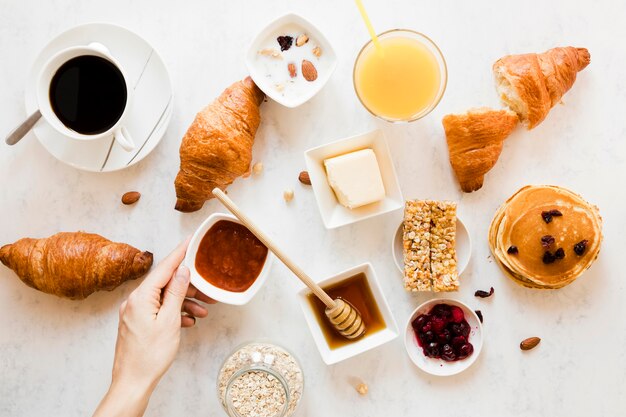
<point x="308" y="70"/>
<point x="131" y="197"/>
<point x="362" y="389"/>
<point x="292" y="69"/>
<point x="288" y="195"/>
<point x="317" y="51"/>
<point x="271" y="52"/>
<point x="530" y="343"/>
<point x="304" y="178"/>
<point x="257" y="168"/>
<point x="302" y="39"/>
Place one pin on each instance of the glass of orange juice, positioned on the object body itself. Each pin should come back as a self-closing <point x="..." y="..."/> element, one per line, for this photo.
<point x="404" y="80"/>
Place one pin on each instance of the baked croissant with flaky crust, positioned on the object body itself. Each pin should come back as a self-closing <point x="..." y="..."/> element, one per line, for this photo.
<point x="531" y="84"/>
<point x="217" y="148"/>
<point x="475" y="141"/>
<point x="74" y="265"/>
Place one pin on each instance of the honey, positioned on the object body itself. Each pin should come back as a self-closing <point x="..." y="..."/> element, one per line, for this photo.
<point x="355" y="290"/>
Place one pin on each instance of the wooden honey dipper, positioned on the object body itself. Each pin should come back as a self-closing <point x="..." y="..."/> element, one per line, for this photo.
<point x="342" y="315"/>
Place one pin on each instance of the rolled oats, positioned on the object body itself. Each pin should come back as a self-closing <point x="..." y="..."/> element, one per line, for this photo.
<point x="256" y="392"/>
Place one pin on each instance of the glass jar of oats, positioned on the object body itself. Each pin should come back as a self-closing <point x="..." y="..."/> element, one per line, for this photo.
<point x="260" y="380"/>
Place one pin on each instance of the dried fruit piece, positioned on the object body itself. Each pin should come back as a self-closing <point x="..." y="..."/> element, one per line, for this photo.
<point x="479" y="314"/>
<point x="284" y="42"/>
<point x="292" y="69"/>
<point x="362" y="388"/>
<point x="308" y="70"/>
<point x="304" y="178"/>
<point x="131" y="197"/>
<point x="547" y="241"/>
<point x="530" y="343"/>
<point x="302" y="39"/>
<point x="484" y="294"/>
<point x="548" y="257"/>
<point x="547" y="215"/>
<point x="580" y="247"/>
<point x="271" y="52"/>
<point x="257" y="168"/>
<point x="512" y="250"/>
<point x="317" y="51"/>
<point x="288" y="195"/>
<point x="559" y="254"/>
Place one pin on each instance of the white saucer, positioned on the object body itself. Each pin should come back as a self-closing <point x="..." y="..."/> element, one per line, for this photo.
<point x="151" y="108"/>
<point x="463" y="247"/>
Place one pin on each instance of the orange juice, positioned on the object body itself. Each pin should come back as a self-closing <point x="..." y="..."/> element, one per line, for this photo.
<point x="403" y="80"/>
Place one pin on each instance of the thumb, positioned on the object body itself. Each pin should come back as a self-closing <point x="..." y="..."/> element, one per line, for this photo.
<point x="175" y="291"/>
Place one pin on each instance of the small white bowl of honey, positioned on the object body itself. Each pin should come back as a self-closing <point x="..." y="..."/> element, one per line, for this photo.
<point x="359" y="286"/>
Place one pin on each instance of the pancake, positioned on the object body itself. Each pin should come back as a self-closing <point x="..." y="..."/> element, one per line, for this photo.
<point x="520" y="222"/>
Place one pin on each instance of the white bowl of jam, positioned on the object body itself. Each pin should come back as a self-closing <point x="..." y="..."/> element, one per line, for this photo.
<point x="226" y="261"/>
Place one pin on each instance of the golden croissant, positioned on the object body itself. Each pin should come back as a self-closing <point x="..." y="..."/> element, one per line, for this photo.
<point x="475" y="141"/>
<point x="531" y="84"/>
<point x="74" y="265"/>
<point x="217" y="148"/>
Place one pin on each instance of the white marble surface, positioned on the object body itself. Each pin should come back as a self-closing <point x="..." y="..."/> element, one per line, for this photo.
<point x="55" y="355"/>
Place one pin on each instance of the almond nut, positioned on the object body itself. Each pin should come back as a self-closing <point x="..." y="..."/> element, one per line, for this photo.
<point x="317" y="51"/>
<point x="304" y="178"/>
<point x="302" y="39"/>
<point x="130" y="197"/>
<point x="528" y="344"/>
<point x="292" y="69"/>
<point x="308" y="70"/>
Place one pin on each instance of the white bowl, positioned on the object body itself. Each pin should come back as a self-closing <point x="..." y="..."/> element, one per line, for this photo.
<point x="218" y="294"/>
<point x="290" y="24"/>
<point x="463" y="247"/>
<point x="367" y="342"/>
<point x="440" y="367"/>
<point x="334" y="214"/>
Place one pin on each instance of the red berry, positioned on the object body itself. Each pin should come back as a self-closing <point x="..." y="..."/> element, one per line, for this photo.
<point x="457" y="314"/>
<point x="438" y="324"/>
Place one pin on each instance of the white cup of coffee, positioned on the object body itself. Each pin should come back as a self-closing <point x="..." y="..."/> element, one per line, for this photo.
<point x="84" y="93"/>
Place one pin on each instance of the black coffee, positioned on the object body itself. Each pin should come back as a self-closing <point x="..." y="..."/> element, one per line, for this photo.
<point x="88" y="94"/>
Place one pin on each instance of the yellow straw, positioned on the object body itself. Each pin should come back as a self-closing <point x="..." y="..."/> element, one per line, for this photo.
<point x="369" y="26"/>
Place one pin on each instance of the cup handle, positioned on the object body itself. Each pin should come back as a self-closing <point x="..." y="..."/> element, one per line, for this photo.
<point x="100" y="48"/>
<point x="124" y="139"/>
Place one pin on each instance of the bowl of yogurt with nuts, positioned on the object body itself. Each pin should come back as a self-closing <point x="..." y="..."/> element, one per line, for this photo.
<point x="290" y="60"/>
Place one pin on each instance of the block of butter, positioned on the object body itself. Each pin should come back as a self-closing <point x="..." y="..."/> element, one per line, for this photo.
<point x="355" y="178"/>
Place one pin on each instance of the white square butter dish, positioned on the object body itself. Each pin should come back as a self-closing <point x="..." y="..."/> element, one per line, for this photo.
<point x="333" y="213"/>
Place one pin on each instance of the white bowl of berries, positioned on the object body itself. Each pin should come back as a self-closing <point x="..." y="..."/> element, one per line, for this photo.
<point x="443" y="337"/>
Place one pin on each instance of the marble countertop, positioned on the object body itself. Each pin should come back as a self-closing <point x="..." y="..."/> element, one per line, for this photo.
<point x="56" y="355"/>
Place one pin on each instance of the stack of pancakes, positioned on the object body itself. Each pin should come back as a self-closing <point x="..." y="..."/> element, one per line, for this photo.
<point x="517" y="229"/>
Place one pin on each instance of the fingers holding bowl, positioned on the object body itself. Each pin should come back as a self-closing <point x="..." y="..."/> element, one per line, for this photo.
<point x="192" y="292"/>
<point x="187" y="321"/>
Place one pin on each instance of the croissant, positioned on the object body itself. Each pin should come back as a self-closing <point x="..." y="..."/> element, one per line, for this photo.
<point x="531" y="84"/>
<point x="475" y="141"/>
<point x="217" y="147"/>
<point x="74" y="265"/>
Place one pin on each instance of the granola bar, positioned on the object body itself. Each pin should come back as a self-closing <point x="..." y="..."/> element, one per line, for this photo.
<point x="443" y="266"/>
<point x="416" y="244"/>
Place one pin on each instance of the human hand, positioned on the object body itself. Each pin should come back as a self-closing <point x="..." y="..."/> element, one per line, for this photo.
<point x="149" y="331"/>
